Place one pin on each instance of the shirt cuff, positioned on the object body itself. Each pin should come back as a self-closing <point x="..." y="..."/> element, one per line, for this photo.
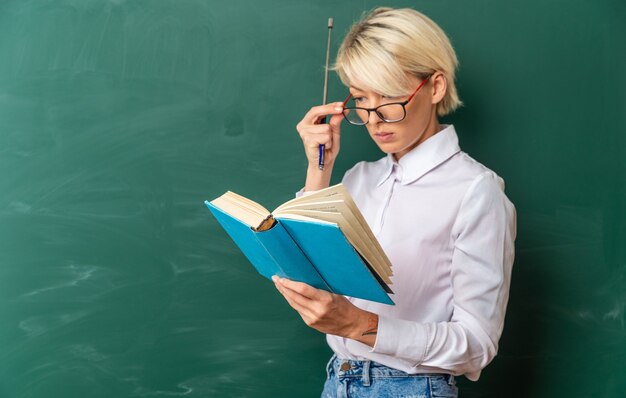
<point x="401" y="338"/>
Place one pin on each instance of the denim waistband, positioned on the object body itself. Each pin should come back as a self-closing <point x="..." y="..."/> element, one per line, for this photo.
<point x="347" y="368"/>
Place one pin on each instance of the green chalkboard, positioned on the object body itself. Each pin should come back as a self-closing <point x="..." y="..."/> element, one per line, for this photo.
<point x="118" y="118"/>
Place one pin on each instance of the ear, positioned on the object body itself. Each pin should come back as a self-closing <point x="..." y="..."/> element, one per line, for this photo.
<point x="439" y="85"/>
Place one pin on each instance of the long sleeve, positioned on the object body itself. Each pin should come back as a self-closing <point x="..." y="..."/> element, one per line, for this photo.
<point x="482" y="260"/>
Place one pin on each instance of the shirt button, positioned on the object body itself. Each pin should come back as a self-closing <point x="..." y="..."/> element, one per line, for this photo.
<point x="397" y="173"/>
<point x="345" y="366"/>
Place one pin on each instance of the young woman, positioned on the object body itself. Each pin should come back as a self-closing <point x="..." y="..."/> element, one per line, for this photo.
<point x="442" y="218"/>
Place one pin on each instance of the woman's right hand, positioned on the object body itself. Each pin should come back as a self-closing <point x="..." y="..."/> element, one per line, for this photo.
<point x="313" y="134"/>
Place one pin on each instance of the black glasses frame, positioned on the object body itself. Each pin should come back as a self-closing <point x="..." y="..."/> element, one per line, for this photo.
<point x="376" y="110"/>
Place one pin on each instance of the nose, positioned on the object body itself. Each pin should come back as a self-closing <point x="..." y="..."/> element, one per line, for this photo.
<point x="374" y="118"/>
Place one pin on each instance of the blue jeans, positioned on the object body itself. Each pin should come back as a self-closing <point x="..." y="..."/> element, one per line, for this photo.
<point x="350" y="379"/>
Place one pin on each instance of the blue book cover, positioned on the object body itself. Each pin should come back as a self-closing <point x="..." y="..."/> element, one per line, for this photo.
<point x="315" y="253"/>
<point x="272" y="252"/>
<point x="336" y="260"/>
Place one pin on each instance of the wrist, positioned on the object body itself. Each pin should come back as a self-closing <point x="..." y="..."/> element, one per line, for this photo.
<point x="314" y="167"/>
<point x="365" y="328"/>
<point x="317" y="179"/>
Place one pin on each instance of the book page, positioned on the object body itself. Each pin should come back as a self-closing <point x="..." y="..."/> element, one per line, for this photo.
<point x="321" y="195"/>
<point x="243" y="209"/>
<point x="247" y="203"/>
<point x="301" y="217"/>
<point x="354" y="210"/>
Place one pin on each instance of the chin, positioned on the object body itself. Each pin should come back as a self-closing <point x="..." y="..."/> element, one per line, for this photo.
<point x="387" y="151"/>
<point x="389" y="148"/>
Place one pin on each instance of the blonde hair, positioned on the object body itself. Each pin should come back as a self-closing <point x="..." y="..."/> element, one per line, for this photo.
<point x="387" y="44"/>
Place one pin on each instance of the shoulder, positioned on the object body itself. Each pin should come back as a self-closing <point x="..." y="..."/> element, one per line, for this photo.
<point x="484" y="195"/>
<point x="469" y="171"/>
<point x="365" y="171"/>
<point x="479" y="179"/>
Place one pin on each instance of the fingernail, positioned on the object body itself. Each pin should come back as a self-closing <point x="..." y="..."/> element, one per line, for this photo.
<point x="339" y="108"/>
<point x="274" y="278"/>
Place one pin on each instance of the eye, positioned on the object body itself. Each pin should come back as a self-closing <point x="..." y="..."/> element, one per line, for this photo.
<point x="359" y="100"/>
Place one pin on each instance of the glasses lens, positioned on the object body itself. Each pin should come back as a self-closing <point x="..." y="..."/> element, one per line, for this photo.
<point x="356" y="116"/>
<point x="392" y="112"/>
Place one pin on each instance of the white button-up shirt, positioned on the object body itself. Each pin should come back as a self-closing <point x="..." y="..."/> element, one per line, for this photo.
<point x="448" y="229"/>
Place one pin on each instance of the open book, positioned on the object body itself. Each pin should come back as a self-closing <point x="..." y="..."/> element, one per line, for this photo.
<point x="320" y="239"/>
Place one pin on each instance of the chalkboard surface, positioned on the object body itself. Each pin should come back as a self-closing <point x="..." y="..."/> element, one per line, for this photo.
<point x="118" y="118"/>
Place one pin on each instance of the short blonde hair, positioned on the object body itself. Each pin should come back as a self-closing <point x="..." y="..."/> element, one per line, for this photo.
<point x="387" y="44"/>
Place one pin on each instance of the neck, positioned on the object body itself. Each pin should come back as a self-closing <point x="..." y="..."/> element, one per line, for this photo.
<point x="432" y="128"/>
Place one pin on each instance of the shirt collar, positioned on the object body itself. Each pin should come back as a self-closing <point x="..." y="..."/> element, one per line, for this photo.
<point x="423" y="158"/>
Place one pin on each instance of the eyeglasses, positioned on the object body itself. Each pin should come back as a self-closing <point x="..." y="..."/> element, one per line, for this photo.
<point x="390" y="113"/>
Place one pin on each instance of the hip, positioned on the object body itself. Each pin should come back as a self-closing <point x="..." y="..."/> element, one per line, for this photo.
<point x="351" y="378"/>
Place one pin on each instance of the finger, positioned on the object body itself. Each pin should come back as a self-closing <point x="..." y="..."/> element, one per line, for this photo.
<point x="318" y="129"/>
<point x="295" y="300"/>
<point x="301" y="288"/>
<point x="281" y="285"/>
<point x="318" y="135"/>
<point x="315" y="114"/>
<point x="335" y="122"/>
<point x="337" y="110"/>
<point x="335" y="125"/>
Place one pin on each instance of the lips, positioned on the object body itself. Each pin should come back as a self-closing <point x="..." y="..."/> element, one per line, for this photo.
<point x="383" y="136"/>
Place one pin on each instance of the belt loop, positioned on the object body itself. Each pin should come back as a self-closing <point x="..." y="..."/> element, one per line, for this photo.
<point x="451" y="380"/>
<point x="366" y="373"/>
<point x="330" y="366"/>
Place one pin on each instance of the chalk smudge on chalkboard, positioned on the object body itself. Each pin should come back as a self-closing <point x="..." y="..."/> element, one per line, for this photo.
<point x="609" y="310"/>
<point x="38" y="325"/>
<point x="186" y="390"/>
<point x="20" y="207"/>
<point x="87" y="352"/>
<point x="74" y="275"/>
<point x="616" y="313"/>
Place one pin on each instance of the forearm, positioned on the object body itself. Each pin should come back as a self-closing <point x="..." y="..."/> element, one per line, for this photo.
<point x="458" y="346"/>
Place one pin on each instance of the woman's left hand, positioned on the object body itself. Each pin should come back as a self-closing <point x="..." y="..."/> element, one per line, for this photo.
<point x="329" y="313"/>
